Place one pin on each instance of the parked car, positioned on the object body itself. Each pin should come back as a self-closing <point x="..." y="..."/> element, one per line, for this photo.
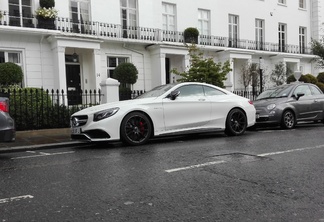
<point x="179" y="108"/>
<point x="286" y="105"/>
<point x="7" y="124"/>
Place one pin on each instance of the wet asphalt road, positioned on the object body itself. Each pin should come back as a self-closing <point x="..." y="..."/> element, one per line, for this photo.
<point x="267" y="175"/>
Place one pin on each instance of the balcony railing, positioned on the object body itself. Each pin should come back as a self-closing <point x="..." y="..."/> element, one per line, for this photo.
<point x="117" y="31"/>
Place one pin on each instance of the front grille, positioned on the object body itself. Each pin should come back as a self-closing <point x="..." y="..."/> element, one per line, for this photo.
<point x="262" y="119"/>
<point x="77" y="121"/>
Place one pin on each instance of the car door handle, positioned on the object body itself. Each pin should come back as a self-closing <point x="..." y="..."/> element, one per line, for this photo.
<point x="201" y="100"/>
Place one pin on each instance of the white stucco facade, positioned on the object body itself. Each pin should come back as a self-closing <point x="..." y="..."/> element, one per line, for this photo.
<point x="151" y="38"/>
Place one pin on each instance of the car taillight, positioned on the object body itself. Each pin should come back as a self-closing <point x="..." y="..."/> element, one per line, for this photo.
<point x="4" y="106"/>
<point x="251" y="102"/>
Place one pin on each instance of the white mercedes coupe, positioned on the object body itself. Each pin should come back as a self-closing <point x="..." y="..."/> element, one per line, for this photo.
<point x="172" y="109"/>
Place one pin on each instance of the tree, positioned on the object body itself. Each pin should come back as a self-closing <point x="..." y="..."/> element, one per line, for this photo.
<point x="317" y="48"/>
<point x="203" y="69"/>
<point x="248" y="76"/>
<point x="279" y="74"/>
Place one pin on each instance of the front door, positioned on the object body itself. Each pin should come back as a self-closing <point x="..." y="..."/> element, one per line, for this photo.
<point x="73" y="84"/>
<point x="189" y="111"/>
<point x="167" y="70"/>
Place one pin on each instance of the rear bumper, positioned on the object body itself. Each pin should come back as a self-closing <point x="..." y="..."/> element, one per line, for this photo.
<point x="8" y="135"/>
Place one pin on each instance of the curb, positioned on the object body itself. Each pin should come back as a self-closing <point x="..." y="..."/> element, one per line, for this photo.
<point x="42" y="146"/>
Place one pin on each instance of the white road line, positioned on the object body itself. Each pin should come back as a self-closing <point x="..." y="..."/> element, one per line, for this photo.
<point x="10" y="199"/>
<point x="195" y="166"/>
<point x="290" y="151"/>
<point x="263" y="154"/>
<point x="42" y="155"/>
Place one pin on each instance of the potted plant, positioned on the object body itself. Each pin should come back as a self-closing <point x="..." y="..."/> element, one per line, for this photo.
<point x="46" y="14"/>
<point x="191" y="35"/>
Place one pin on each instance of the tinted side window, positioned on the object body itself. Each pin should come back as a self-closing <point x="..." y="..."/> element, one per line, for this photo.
<point x="209" y="91"/>
<point x="315" y="90"/>
<point x="302" y="89"/>
<point x="192" y="90"/>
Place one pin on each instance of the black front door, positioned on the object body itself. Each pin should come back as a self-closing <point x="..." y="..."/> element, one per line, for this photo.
<point x="167" y="70"/>
<point x="73" y="84"/>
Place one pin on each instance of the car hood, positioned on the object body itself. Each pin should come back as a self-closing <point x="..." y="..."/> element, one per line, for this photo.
<point x="119" y="104"/>
<point x="266" y="102"/>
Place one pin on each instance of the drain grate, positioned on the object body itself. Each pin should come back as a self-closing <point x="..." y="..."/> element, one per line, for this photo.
<point x="240" y="157"/>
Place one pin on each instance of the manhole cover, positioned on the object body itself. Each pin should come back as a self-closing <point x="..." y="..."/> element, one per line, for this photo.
<point x="239" y="157"/>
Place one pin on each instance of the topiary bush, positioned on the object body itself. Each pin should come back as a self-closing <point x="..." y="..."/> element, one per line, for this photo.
<point x="320" y="77"/>
<point x="10" y="74"/>
<point x="311" y="79"/>
<point x="291" y="79"/>
<point x="303" y="78"/>
<point x="320" y="85"/>
<point x="126" y="73"/>
<point x="47" y="3"/>
<point x="191" y="35"/>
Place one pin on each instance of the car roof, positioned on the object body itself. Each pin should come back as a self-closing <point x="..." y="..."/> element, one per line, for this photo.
<point x="291" y="84"/>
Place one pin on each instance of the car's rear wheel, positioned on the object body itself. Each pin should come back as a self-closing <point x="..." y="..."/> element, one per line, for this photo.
<point x="236" y="123"/>
<point x="136" y="129"/>
<point x="288" y="120"/>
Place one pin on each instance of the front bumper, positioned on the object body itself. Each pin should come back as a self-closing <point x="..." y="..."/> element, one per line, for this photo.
<point x="85" y="129"/>
<point x="267" y="117"/>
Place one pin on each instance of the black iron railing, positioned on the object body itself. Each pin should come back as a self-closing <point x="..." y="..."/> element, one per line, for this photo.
<point x="34" y="108"/>
<point x="247" y="94"/>
<point x="117" y="31"/>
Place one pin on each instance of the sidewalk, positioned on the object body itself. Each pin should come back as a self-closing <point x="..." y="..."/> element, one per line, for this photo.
<point x="37" y="139"/>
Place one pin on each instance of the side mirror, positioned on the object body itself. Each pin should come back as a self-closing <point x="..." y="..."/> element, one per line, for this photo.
<point x="299" y="95"/>
<point x="174" y="94"/>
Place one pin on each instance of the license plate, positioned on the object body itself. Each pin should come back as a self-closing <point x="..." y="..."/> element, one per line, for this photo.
<point x="76" y="130"/>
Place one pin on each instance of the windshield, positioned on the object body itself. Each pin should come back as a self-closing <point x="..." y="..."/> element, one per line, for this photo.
<point x="157" y="91"/>
<point x="281" y="91"/>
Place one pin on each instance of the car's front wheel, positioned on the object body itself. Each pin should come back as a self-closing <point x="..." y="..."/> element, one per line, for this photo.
<point x="288" y="120"/>
<point x="135" y="129"/>
<point x="236" y="123"/>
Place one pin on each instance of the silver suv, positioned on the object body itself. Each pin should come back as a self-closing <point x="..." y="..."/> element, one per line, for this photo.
<point x="7" y="124"/>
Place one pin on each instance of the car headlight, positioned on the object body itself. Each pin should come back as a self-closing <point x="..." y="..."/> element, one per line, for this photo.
<point x="104" y="114"/>
<point x="271" y="106"/>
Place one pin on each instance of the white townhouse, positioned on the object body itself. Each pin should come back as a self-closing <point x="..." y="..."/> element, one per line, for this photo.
<point x="89" y="38"/>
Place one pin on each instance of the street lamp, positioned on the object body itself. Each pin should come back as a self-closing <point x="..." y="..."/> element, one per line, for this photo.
<point x="254" y="76"/>
<point x="260" y="71"/>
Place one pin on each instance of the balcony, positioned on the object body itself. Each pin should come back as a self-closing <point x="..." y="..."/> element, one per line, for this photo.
<point x="117" y="31"/>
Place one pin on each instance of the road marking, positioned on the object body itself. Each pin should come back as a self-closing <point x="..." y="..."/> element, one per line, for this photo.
<point x="10" y="199"/>
<point x="261" y="155"/>
<point x="42" y="154"/>
<point x="290" y="151"/>
<point x="195" y="166"/>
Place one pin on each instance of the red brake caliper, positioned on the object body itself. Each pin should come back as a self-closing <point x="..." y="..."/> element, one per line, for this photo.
<point x="141" y="127"/>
